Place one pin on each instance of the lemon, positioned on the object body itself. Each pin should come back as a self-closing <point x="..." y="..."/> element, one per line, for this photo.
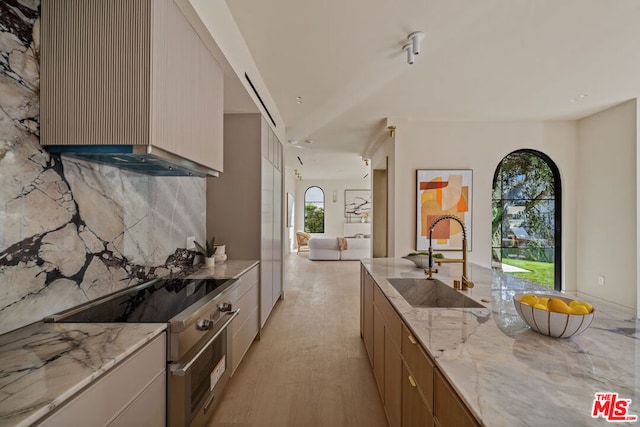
<point x="574" y="303"/>
<point x="540" y="306"/>
<point x="543" y="301"/>
<point x="579" y="309"/>
<point x="558" y="306"/>
<point x="586" y="305"/>
<point x="529" y="299"/>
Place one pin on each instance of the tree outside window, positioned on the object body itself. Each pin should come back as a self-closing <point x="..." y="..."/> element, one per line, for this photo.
<point x="526" y="218"/>
<point x="314" y="210"/>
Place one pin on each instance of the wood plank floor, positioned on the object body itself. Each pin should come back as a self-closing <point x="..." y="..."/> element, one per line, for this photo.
<point x="310" y="367"/>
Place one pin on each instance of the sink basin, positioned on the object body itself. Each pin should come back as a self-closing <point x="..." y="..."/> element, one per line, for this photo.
<point x="432" y="293"/>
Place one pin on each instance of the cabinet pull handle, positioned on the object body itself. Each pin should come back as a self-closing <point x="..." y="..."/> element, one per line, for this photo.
<point x="412" y="339"/>
<point x="412" y="381"/>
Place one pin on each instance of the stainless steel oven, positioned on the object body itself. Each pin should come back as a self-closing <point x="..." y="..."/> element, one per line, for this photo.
<point x="197" y="379"/>
<point x="198" y="314"/>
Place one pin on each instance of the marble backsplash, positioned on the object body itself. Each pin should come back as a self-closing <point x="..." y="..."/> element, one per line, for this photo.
<point x="71" y="231"/>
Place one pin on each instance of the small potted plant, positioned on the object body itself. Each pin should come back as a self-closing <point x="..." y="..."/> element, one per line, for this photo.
<point x="207" y="251"/>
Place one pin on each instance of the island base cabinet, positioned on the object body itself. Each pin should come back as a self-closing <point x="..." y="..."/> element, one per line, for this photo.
<point x="415" y="411"/>
<point x="366" y="312"/>
<point x="449" y="411"/>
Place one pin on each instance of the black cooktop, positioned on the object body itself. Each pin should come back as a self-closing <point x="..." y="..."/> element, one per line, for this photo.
<point x="156" y="301"/>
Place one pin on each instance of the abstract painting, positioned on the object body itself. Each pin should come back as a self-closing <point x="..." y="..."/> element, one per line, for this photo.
<point x="443" y="192"/>
<point x="357" y="203"/>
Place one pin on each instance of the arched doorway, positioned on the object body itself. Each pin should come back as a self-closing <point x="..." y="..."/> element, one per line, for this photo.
<point x="314" y="210"/>
<point x="526" y="218"/>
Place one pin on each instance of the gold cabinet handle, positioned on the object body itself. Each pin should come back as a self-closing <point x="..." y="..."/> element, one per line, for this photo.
<point x="412" y="381"/>
<point x="412" y="339"/>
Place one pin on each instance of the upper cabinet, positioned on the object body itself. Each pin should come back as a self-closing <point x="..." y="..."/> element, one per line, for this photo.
<point x="130" y="73"/>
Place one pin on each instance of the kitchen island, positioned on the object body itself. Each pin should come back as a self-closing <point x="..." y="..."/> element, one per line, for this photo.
<point x="44" y="365"/>
<point x="505" y="373"/>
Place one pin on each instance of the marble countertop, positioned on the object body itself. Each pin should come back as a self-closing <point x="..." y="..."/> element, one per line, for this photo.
<point x="44" y="364"/>
<point x="506" y="373"/>
<point x="230" y="269"/>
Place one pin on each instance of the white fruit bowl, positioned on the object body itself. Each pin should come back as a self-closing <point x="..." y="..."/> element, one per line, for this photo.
<point x="557" y="325"/>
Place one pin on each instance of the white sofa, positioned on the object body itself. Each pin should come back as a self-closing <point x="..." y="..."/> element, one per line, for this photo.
<point x="327" y="249"/>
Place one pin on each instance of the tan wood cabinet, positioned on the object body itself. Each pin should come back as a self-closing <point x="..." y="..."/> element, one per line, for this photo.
<point x="417" y="388"/>
<point x="244" y="329"/>
<point x="131" y="73"/>
<point x="244" y="204"/>
<point x="387" y="359"/>
<point x="366" y="312"/>
<point x="132" y="393"/>
<point x="413" y="390"/>
<point x="449" y="410"/>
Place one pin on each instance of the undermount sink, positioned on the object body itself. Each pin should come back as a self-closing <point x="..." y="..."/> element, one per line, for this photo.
<point x="431" y="293"/>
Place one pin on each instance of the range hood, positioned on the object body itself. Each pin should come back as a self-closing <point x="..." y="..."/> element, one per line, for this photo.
<point x="130" y="84"/>
<point x="145" y="159"/>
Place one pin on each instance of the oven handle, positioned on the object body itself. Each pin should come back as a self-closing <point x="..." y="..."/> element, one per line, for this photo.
<point x="182" y="368"/>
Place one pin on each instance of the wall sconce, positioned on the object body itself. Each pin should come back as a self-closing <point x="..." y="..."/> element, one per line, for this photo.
<point x="335" y="196"/>
<point x="297" y="174"/>
<point x="392" y="130"/>
<point x="366" y="162"/>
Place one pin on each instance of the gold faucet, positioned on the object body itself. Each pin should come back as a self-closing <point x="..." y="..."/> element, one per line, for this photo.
<point x="465" y="283"/>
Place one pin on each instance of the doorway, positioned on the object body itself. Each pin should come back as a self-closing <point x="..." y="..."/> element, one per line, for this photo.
<point x="380" y="213"/>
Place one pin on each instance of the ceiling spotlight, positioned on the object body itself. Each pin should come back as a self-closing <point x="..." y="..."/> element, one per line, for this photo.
<point x="410" y="56"/>
<point x="299" y="99"/>
<point x="309" y="141"/>
<point x="415" y="38"/>
<point x="293" y="141"/>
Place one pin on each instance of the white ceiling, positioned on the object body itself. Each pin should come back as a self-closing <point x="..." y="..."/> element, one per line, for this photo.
<point x="489" y="60"/>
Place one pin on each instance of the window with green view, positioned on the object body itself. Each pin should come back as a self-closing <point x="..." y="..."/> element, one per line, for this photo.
<point x="526" y="218"/>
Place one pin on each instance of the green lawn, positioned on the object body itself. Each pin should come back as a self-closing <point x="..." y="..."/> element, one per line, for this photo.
<point x="539" y="272"/>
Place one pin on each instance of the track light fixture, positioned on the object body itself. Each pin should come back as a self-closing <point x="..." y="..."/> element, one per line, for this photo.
<point x="410" y="56"/>
<point x="415" y="38"/>
<point x="412" y="47"/>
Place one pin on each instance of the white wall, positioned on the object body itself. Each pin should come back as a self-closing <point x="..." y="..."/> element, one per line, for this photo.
<point x="290" y="232"/>
<point x="607" y="197"/>
<point x="480" y="147"/>
<point x="334" y="211"/>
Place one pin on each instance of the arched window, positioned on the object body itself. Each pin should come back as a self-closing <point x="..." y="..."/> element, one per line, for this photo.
<point x="526" y="226"/>
<point x="314" y="210"/>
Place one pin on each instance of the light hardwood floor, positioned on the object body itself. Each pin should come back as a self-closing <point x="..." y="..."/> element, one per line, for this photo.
<point x="310" y="367"/>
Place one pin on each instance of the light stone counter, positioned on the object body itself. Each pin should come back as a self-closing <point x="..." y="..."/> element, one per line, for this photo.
<point x="44" y="364"/>
<point x="230" y="269"/>
<point x="507" y="374"/>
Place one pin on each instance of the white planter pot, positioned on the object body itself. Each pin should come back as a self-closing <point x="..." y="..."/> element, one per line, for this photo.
<point x="209" y="262"/>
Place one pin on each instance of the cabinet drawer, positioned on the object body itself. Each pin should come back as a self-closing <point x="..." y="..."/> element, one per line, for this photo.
<point x="415" y="411"/>
<point x="247" y="280"/>
<point x="247" y="303"/>
<point x="392" y="321"/>
<point x="419" y="363"/>
<point x="109" y="395"/>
